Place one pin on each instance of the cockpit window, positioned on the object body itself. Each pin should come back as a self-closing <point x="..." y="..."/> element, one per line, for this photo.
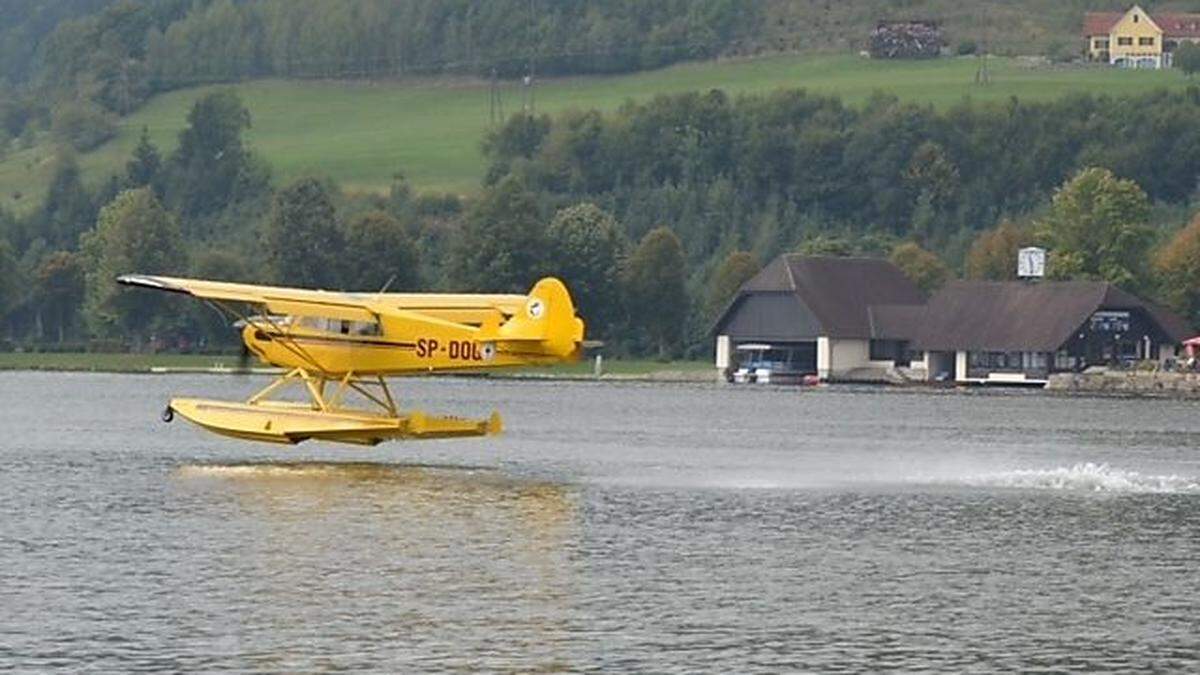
<point x="341" y="326"/>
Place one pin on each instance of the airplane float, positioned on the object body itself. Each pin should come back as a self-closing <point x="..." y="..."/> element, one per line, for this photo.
<point x="337" y="349"/>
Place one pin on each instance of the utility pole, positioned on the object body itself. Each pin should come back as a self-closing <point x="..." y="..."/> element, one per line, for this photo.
<point x="529" y="72"/>
<point x="495" y="105"/>
<point x="984" y="75"/>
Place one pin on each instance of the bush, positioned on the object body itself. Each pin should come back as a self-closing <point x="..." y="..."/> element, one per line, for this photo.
<point x="1187" y="58"/>
<point x="1059" y="52"/>
<point x="966" y="48"/>
<point x="82" y="125"/>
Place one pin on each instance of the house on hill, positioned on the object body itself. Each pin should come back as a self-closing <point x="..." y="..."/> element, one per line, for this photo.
<point x="1136" y="38"/>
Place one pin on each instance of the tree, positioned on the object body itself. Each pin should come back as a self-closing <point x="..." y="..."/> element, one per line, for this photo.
<point x="1178" y="265"/>
<point x="383" y="254"/>
<point x="211" y="167"/>
<point x="1187" y="58"/>
<point x="58" y="292"/>
<point x="218" y="264"/>
<point x="10" y="283"/>
<point x="586" y="250"/>
<point x="737" y="268"/>
<point x="134" y="233"/>
<point x="993" y="255"/>
<point x="143" y="167"/>
<point x="82" y="125"/>
<point x="520" y="137"/>
<point x="502" y="243"/>
<point x="925" y="269"/>
<point x="68" y="209"/>
<point x="654" y="286"/>
<point x="301" y="239"/>
<point x="1097" y="229"/>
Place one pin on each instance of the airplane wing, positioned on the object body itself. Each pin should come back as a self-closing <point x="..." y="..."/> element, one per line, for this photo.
<point x="274" y="299"/>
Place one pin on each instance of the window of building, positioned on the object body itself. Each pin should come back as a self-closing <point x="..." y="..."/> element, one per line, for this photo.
<point x="1135" y="18"/>
<point x="1125" y="41"/>
<point x="1146" y="42"/>
<point x="889" y="350"/>
<point x="1100" y="44"/>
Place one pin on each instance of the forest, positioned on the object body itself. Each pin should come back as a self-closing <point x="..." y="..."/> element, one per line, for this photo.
<point x="654" y="213"/>
<point x="75" y="65"/>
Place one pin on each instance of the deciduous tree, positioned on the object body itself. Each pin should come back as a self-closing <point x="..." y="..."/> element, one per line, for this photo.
<point x="212" y="167"/>
<point x="301" y="239"/>
<point x="737" y="268"/>
<point x="58" y="292"/>
<point x="134" y="234"/>
<point x="925" y="269"/>
<point x="502" y="245"/>
<point x="654" y="283"/>
<point x="1096" y="228"/>
<point x="993" y="255"/>
<point x="382" y="253"/>
<point x="586" y="250"/>
<point x="1178" y="265"/>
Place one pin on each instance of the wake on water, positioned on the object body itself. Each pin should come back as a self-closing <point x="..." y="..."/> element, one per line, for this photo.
<point x="1086" y="477"/>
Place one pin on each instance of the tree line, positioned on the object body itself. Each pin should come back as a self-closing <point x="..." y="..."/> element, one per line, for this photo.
<point x="74" y="66"/>
<point x="209" y="209"/>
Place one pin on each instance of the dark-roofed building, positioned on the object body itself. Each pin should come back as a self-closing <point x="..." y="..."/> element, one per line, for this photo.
<point x="837" y="318"/>
<point x="861" y="319"/>
<point x="1018" y="331"/>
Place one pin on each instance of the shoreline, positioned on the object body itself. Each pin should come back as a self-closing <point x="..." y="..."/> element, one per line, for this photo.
<point x="615" y="371"/>
<point x="632" y="370"/>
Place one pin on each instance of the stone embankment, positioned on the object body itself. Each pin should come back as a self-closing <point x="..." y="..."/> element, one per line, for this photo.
<point x="1131" y="382"/>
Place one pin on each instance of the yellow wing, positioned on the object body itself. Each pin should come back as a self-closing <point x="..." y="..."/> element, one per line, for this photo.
<point x="335" y="304"/>
<point x="546" y="315"/>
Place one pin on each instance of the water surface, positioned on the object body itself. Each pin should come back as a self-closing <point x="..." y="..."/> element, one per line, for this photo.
<point x="614" y="527"/>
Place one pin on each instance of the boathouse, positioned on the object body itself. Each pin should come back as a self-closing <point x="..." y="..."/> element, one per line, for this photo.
<point x="837" y="318"/>
<point x="861" y="319"/>
<point x="1022" y="331"/>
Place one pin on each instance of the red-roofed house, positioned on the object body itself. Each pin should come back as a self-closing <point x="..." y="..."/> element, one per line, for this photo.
<point x="1136" y="38"/>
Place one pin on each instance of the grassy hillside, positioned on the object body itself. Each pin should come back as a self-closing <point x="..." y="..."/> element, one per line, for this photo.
<point x="1009" y="26"/>
<point x="361" y="134"/>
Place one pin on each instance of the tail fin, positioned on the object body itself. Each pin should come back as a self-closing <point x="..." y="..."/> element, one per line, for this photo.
<point x="548" y="318"/>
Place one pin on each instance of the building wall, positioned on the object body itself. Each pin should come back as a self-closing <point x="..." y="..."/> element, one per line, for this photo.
<point x="1135" y="27"/>
<point x="724" y="350"/>
<point x="849" y="359"/>
<point x="1097" y="47"/>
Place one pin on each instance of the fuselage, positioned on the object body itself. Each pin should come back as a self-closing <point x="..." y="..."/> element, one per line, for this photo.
<point x="338" y="347"/>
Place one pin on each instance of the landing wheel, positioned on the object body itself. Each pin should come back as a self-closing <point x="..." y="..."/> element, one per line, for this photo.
<point x="168" y="414"/>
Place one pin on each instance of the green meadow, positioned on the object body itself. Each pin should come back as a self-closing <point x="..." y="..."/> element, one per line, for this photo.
<point x="362" y="133"/>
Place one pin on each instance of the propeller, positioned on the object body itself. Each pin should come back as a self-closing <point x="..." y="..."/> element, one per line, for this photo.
<point x="243" y="363"/>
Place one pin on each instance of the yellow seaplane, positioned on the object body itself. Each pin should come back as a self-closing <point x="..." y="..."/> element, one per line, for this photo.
<point x="337" y="348"/>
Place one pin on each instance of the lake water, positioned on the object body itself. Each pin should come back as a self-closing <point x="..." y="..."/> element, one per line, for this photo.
<point x="617" y="527"/>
